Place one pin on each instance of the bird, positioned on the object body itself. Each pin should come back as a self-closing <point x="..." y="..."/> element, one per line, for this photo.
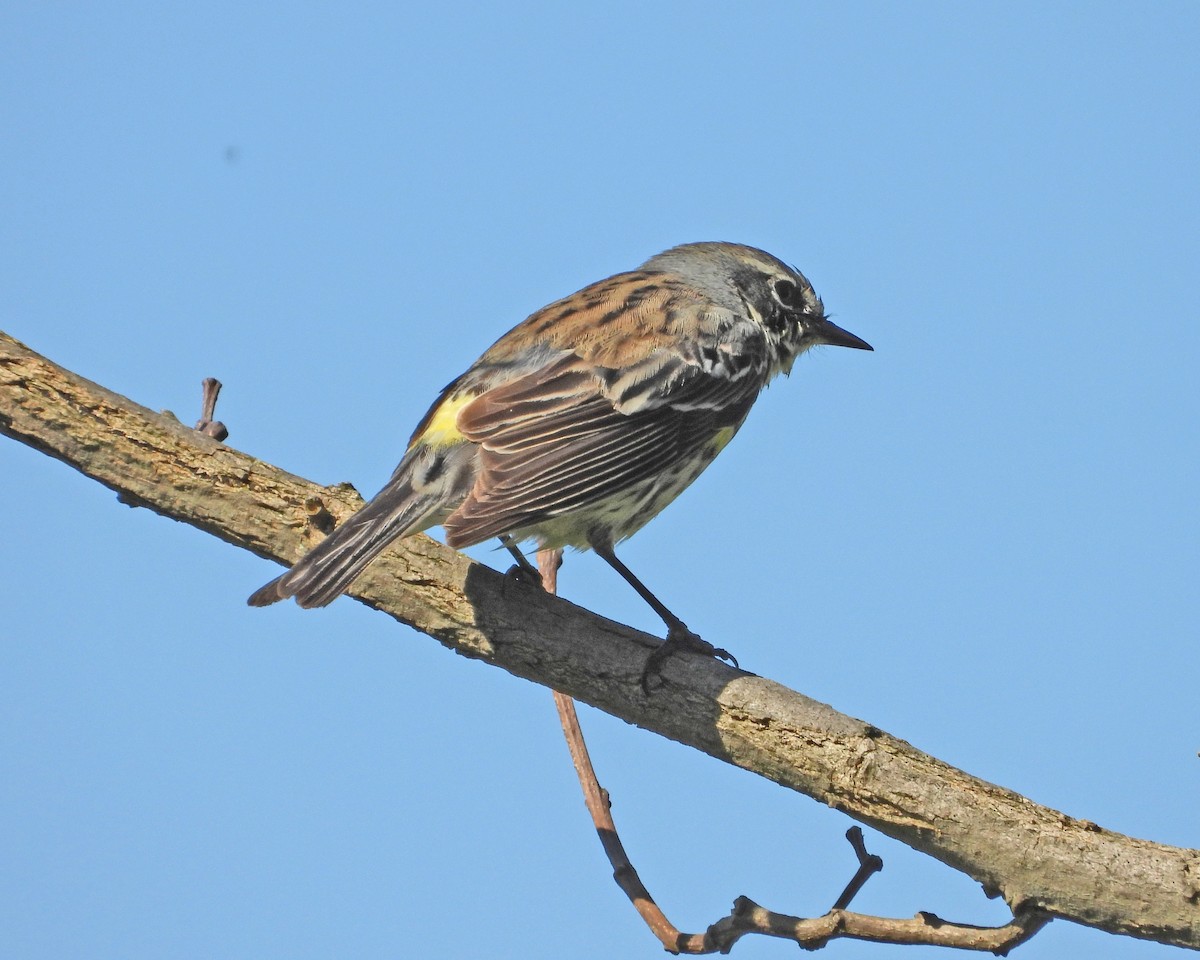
<point x="579" y="425"/>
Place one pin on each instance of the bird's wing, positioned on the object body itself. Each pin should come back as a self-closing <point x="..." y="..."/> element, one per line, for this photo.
<point x="575" y="432"/>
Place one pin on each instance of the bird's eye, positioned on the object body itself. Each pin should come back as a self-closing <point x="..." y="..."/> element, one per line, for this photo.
<point x="785" y="290"/>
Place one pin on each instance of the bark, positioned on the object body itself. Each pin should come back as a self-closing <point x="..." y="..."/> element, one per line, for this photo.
<point x="1033" y="856"/>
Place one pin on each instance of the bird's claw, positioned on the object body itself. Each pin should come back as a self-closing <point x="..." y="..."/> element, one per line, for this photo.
<point x="722" y="654"/>
<point x="523" y="574"/>
<point x="679" y="640"/>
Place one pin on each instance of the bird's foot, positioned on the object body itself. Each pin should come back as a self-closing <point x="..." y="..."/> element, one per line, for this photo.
<point x="524" y="573"/>
<point x="679" y="640"/>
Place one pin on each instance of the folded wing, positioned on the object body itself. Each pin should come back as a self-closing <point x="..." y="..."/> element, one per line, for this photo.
<point x="572" y="434"/>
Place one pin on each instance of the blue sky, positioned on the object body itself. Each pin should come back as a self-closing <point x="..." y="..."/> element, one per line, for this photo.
<point x="982" y="537"/>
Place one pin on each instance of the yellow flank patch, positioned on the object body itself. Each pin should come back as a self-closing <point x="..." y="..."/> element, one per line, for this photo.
<point x="441" y="428"/>
<point x="721" y="439"/>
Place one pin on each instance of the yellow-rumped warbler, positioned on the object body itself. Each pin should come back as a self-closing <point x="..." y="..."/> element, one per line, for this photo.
<point x="581" y="423"/>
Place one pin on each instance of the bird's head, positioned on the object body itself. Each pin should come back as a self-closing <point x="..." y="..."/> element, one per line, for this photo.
<point x="764" y="289"/>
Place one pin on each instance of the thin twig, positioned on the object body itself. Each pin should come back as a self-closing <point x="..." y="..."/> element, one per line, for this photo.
<point x="924" y="929"/>
<point x="208" y="410"/>
<point x="746" y="915"/>
<point x="595" y="797"/>
<point x="868" y="864"/>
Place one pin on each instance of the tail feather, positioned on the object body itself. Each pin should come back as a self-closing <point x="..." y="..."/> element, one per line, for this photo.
<point x="325" y="572"/>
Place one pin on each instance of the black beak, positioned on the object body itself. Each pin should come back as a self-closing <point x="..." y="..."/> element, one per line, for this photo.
<point x="825" y="331"/>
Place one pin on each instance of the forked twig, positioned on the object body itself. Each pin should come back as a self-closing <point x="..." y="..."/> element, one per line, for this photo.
<point x="746" y="915"/>
<point x="868" y="863"/>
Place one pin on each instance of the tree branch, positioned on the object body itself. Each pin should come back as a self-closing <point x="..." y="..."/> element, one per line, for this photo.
<point x="1036" y="858"/>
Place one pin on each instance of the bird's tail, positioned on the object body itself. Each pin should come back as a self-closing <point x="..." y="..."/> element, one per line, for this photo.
<point x="323" y="574"/>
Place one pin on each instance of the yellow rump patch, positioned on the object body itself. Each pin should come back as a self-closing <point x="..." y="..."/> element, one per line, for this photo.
<point x="441" y="426"/>
<point x="721" y="439"/>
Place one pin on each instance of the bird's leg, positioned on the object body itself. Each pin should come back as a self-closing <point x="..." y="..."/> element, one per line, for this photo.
<point x="679" y="637"/>
<point x="522" y="571"/>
